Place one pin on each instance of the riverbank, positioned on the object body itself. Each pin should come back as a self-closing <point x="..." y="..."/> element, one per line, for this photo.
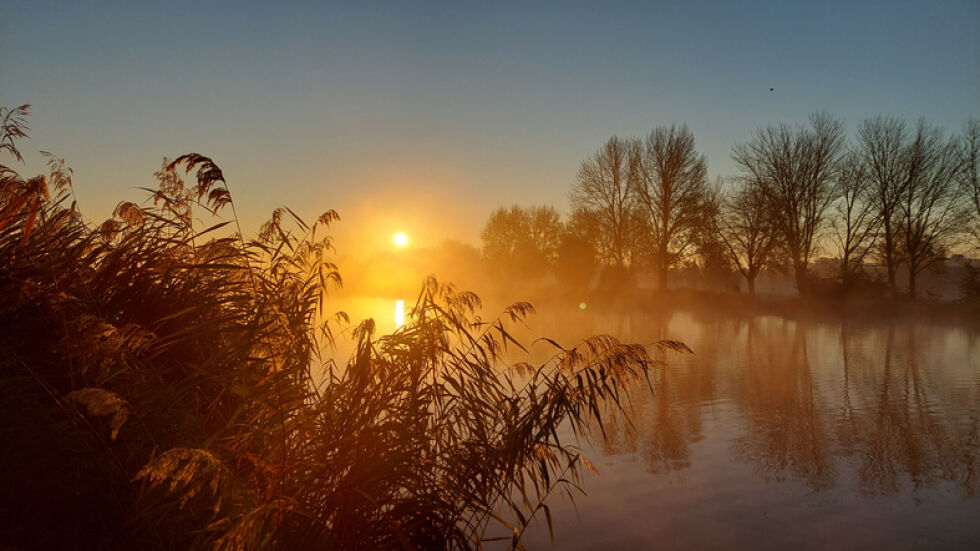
<point x="963" y="312"/>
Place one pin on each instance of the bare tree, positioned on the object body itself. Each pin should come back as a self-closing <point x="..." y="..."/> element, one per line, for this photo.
<point x="522" y="241"/>
<point x="671" y="194"/>
<point x="856" y="223"/>
<point x="576" y="262"/>
<point x="970" y="174"/>
<point x="544" y="232"/>
<point x="882" y="145"/>
<point x="602" y="190"/>
<point x="794" y="168"/>
<point x="746" y="230"/>
<point x="930" y="207"/>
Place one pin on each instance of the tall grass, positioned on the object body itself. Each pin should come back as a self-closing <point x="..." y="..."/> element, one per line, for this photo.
<point x="167" y="386"/>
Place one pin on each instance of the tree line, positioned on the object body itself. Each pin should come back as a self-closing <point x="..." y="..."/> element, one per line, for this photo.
<point x="898" y="194"/>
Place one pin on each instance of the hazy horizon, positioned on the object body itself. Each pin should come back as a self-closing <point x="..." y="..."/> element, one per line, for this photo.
<point x="391" y="114"/>
<point x="400" y="275"/>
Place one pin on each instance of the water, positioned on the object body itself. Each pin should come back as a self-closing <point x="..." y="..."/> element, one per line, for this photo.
<point x="781" y="433"/>
<point x="778" y="434"/>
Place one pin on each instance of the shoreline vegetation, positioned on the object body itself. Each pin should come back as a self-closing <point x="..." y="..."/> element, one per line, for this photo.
<point x="814" y="222"/>
<point x="890" y="206"/>
<point x="169" y="380"/>
<point x="168" y="386"/>
<point x="866" y="309"/>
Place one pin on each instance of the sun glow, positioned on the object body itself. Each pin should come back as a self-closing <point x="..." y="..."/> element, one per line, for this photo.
<point x="400" y="239"/>
<point x="399" y="313"/>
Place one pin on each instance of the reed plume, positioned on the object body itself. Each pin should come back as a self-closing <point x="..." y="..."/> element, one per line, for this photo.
<point x="171" y="386"/>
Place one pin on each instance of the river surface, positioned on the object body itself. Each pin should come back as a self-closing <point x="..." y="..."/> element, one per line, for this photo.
<point x="780" y="433"/>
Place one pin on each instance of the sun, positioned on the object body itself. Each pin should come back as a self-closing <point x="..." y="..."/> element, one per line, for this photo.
<point x="400" y="239"/>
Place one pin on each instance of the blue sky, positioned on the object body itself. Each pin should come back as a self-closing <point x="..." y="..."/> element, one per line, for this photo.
<point x="426" y="116"/>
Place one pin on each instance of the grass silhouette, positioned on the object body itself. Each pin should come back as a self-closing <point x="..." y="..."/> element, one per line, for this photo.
<point x="172" y="387"/>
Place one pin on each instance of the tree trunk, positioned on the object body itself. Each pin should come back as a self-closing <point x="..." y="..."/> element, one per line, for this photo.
<point x="890" y="261"/>
<point x="801" y="280"/>
<point x="663" y="264"/>
<point x="912" y="283"/>
<point x="891" y="278"/>
<point x="845" y="276"/>
<point x="751" y="284"/>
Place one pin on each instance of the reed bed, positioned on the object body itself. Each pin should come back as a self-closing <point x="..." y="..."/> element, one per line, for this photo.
<point x="169" y="386"/>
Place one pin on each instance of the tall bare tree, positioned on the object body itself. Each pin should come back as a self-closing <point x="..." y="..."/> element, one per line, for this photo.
<point x="747" y="232"/>
<point x="970" y="174"/>
<point x="882" y="146"/>
<point x="932" y="212"/>
<point x="794" y="168"/>
<point x="671" y="194"/>
<point x="602" y="190"/>
<point x="856" y="222"/>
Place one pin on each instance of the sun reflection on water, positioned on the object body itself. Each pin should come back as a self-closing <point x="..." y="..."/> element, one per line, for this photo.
<point x="399" y="313"/>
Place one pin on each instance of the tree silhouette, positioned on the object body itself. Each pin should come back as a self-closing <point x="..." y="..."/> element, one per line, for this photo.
<point x="795" y="168"/>
<point x="672" y="195"/>
<point x="521" y="242"/>
<point x="576" y="262"/>
<point x="931" y="211"/>
<point x="856" y="223"/>
<point x="882" y="142"/>
<point x="747" y="232"/>
<point x="602" y="189"/>
<point x="970" y="175"/>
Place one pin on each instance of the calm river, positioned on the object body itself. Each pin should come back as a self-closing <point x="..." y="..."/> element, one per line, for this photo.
<point x="783" y="434"/>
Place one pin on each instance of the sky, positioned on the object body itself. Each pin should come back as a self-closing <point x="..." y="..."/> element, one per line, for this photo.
<point x="424" y="117"/>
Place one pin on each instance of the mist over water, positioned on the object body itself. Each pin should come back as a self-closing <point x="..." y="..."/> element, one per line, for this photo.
<point x="780" y="433"/>
<point x="489" y="276"/>
<point x="777" y="432"/>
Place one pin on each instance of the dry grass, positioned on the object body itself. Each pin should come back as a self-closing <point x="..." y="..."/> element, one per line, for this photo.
<point x="171" y="387"/>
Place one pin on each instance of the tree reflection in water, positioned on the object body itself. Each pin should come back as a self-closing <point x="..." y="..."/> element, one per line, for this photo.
<point x="666" y="418"/>
<point x="825" y="404"/>
<point x="913" y="431"/>
<point x="786" y="430"/>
